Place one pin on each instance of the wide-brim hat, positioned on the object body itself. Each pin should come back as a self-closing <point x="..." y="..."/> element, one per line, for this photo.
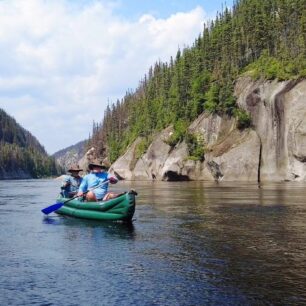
<point x="98" y="164"/>
<point x="74" y="168"/>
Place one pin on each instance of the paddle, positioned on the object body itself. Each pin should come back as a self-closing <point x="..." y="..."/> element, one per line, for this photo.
<point x="58" y="205"/>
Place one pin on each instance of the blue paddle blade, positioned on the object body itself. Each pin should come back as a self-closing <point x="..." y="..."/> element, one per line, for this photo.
<point x="52" y="208"/>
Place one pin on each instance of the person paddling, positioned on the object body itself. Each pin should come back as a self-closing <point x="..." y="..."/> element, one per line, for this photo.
<point x="98" y="174"/>
<point x="71" y="183"/>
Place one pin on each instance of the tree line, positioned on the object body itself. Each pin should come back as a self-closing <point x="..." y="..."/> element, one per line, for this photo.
<point x="259" y="38"/>
<point x="21" y="151"/>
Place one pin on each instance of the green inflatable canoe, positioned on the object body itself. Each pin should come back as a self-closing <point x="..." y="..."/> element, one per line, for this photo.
<point x="120" y="208"/>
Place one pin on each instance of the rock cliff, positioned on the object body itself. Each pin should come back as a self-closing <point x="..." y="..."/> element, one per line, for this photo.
<point x="278" y="112"/>
<point x="273" y="149"/>
<point x="70" y="155"/>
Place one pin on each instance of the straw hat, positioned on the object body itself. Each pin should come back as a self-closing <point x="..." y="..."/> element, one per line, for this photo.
<point x="99" y="164"/>
<point x="74" y="168"/>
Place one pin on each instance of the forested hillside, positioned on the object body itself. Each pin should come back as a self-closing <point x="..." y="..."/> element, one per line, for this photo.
<point x="20" y="152"/>
<point x="265" y="39"/>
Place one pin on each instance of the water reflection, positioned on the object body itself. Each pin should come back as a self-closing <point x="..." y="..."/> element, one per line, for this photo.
<point x="123" y="230"/>
<point x="51" y="220"/>
<point x="191" y="243"/>
<point x="243" y="238"/>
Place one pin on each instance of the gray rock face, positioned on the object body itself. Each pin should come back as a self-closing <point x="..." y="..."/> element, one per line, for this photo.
<point x="123" y="167"/>
<point x="239" y="161"/>
<point x="231" y="155"/>
<point x="274" y="149"/>
<point x="150" y="165"/>
<point x="227" y="158"/>
<point x="70" y="155"/>
<point x="278" y="113"/>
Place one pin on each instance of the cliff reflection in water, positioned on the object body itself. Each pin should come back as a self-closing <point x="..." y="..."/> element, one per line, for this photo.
<point x="244" y="237"/>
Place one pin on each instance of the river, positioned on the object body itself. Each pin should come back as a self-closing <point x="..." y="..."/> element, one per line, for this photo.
<point x="190" y="243"/>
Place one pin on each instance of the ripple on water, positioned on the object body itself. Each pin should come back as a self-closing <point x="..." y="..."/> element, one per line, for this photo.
<point x="193" y="244"/>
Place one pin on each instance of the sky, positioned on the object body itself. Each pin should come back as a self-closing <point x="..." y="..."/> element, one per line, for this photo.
<point x="63" y="61"/>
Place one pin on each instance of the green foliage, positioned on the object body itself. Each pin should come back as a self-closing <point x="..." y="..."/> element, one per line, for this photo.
<point x="243" y="119"/>
<point x="20" y="151"/>
<point x="270" y="67"/>
<point x="114" y="150"/>
<point x="198" y="88"/>
<point x="212" y="99"/>
<point x="179" y="132"/>
<point x="15" y="158"/>
<point x="228" y="101"/>
<point x="195" y="143"/>
<point x="142" y="147"/>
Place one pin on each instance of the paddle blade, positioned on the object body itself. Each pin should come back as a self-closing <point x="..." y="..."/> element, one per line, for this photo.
<point x="52" y="208"/>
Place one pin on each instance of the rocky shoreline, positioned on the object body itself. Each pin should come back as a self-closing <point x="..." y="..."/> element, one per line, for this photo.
<point x="13" y="175"/>
<point x="273" y="149"/>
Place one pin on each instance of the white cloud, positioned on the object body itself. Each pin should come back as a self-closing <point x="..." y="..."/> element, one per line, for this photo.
<point x="60" y="63"/>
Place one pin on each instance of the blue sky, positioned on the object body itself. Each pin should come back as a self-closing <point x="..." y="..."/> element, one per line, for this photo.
<point x="164" y="8"/>
<point x="61" y="61"/>
<point x="133" y="9"/>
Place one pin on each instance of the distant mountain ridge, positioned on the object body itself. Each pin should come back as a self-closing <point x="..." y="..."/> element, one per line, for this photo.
<point x="70" y="155"/>
<point x="21" y="154"/>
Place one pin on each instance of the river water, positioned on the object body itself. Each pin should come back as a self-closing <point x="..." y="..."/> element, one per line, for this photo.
<point x="190" y="243"/>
